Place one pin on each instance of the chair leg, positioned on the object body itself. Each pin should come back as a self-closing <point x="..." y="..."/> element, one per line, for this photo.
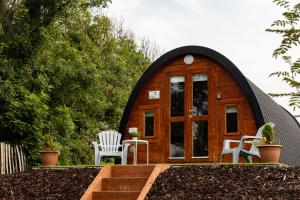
<point x="221" y="159"/>
<point x="122" y="160"/>
<point x="249" y="159"/>
<point x="125" y="152"/>
<point x="235" y="157"/>
<point x="99" y="159"/>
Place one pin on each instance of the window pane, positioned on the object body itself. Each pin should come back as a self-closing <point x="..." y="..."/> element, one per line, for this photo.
<point x="200" y="138"/>
<point x="200" y="95"/>
<point x="177" y="96"/>
<point x="231" y="119"/>
<point x="149" y="123"/>
<point x="177" y="139"/>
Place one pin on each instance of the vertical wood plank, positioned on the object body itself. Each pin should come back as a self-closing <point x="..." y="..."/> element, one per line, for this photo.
<point x="8" y="159"/>
<point x="2" y="158"/>
<point x="23" y="161"/>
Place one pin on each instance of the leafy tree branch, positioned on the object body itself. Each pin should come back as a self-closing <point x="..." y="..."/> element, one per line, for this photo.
<point x="289" y="29"/>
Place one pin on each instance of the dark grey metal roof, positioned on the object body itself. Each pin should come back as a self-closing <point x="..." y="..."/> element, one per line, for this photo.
<point x="263" y="107"/>
<point x="286" y="126"/>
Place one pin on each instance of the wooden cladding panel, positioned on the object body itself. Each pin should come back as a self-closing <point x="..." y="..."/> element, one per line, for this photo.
<point x="221" y="81"/>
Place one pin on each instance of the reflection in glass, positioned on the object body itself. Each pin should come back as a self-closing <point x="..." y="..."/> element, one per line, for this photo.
<point x="149" y="123"/>
<point x="177" y="96"/>
<point x="177" y="139"/>
<point x="200" y="95"/>
<point x="200" y="138"/>
<point x="231" y="119"/>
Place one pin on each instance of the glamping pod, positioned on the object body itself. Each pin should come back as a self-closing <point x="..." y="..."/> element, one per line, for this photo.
<point x="192" y="98"/>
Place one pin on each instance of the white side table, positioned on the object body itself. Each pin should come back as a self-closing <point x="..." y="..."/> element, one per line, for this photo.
<point x="136" y="142"/>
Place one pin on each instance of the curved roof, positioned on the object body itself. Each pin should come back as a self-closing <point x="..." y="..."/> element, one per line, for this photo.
<point x="258" y="101"/>
<point x="287" y="127"/>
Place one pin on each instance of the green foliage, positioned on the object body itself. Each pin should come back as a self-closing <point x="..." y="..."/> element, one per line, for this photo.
<point x="48" y="143"/>
<point x="134" y="134"/>
<point x="67" y="74"/>
<point x="289" y="29"/>
<point x="268" y="134"/>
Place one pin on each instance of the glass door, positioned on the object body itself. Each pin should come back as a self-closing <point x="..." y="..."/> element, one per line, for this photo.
<point x="197" y="123"/>
<point x="176" y="116"/>
<point x="187" y="115"/>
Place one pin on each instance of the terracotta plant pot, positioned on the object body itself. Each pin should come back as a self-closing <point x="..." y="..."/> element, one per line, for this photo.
<point x="49" y="158"/>
<point x="269" y="153"/>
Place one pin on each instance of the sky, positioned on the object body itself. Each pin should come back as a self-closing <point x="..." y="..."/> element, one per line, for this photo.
<point x="234" y="28"/>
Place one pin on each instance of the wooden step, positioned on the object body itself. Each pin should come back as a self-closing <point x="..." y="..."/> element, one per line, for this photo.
<point x="113" y="195"/>
<point x="132" y="171"/>
<point x="123" y="184"/>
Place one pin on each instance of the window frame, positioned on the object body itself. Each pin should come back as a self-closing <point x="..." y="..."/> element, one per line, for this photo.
<point x="155" y="110"/>
<point x="238" y="119"/>
<point x="240" y="116"/>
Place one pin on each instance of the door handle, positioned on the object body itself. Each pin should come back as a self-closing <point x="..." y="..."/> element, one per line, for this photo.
<point x="191" y="113"/>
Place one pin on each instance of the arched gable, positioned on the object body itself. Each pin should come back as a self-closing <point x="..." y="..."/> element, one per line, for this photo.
<point x="201" y="51"/>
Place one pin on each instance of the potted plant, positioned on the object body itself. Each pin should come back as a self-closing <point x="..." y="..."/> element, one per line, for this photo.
<point x="269" y="146"/>
<point x="49" y="150"/>
<point x="134" y="135"/>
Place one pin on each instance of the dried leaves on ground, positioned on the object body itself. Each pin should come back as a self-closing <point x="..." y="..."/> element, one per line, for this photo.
<point x="243" y="182"/>
<point x="47" y="184"/>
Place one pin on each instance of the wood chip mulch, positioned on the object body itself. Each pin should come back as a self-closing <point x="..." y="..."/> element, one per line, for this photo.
<point x="51" y="184"/>
<point x="246" y="182"/>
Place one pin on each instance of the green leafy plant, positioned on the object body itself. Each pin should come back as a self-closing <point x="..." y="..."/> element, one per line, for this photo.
<point x="49" y="144"/>
<point x="268" y="136"/>
<point x="134" y="134"/>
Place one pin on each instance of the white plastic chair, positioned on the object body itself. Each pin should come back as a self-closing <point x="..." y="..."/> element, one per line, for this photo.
<point x="110" y="145"/>
<point x="240" y="150"/>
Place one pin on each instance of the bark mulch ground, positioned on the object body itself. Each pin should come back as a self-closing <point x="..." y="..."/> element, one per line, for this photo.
<point x="246" y="182"/>
<point x="47" y="184"/>
<point x="194" y="182"/>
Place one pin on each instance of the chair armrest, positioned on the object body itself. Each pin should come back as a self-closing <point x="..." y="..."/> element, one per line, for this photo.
<point x="96" y="146"/>
<point x="226" y="143"/>
<point x="246" y="137"/>
<point x="232" y="141"/>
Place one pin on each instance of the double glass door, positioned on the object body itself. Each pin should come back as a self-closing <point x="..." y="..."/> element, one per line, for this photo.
<point x="188" y="115"/>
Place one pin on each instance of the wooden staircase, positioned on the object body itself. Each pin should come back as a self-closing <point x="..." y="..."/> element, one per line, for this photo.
<point x="128" y="182"/>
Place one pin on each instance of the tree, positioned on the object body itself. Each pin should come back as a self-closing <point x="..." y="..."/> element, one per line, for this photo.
<point x="22" y="19"/>
<point x="289" y="29"/>
<point x="71" y="78"/>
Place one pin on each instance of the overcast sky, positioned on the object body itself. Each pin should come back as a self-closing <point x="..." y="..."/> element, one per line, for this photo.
<point x="234" y="28"/>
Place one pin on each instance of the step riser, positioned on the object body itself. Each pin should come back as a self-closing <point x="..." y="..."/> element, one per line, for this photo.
<point x="115" y="195"/>
<point x="131" y="171"/>
<point x="123" y="184"/>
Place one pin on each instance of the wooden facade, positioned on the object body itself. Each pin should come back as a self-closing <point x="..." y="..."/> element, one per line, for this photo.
<point x="180" y="133"/>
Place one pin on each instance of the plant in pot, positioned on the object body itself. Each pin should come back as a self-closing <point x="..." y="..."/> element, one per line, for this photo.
<point x="49" y="150"/>
<point x="269" y="146"/>
<point x="134" y="135"/>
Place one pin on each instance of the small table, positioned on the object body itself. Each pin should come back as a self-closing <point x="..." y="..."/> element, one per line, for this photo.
<point x="136" y="142"/>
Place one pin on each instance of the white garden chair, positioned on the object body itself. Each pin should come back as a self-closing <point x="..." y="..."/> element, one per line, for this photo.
<point x="240" y="150"/>
<point x="110" y="145"/>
